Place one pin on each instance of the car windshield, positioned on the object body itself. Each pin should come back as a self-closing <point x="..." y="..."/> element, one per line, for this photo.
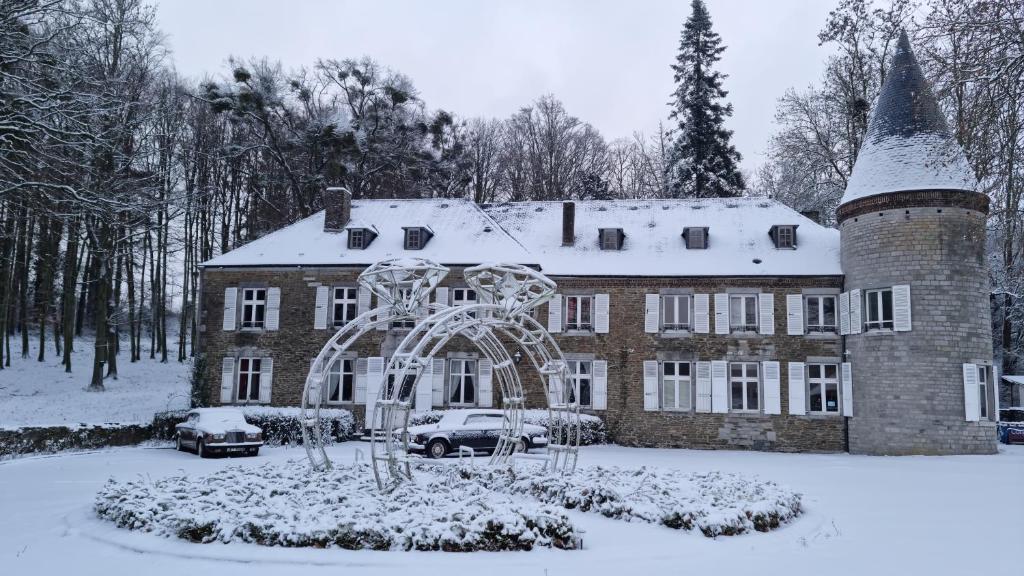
<point x="225" y="417"/>
<point x="482" y="418"/>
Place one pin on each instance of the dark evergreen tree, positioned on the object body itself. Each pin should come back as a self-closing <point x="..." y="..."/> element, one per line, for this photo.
<point x="703" y="162"/>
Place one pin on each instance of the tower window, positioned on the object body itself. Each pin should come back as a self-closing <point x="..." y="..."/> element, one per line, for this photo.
<point x="879" y="309"/>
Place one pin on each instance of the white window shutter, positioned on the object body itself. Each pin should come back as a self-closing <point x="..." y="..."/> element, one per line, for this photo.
<point x="374" y="378"/>
<point x="599" y="390"/>
<point x="555" y="391"/>
<point x="273" y="315"/>
<point x="766" y="313"/>
<point x="650" y="385"/>
<point x="652" y="312"/>
<point x="424" y="384"/>
<point x="230" y="314"/>
<point x="719" y="386"/>
<point x="721" y="313"/>
<point x="703" y="386"/>
<point x="901" y="308"/>
<point x="266" y="379"/>
<point x="844" y="313"/>
<point x="441" y="295"/>
<point x="797" y="389"/>
<point x="856" y="320"/>
<point x="555" y="313"/>
<point x="701" y="311"/>
<point x="227" y="380"/>
<point x="317" y="391"/>
<point x="772" y="387"/>
<point x="363" y="295"/>
<point x="601" y="314"/>
<point x="994" y="391"/>
<point x="486" y="379"/>
<point x="437" y="383"/>
<point x="972" y="400"/>
<point x="847" y="384"/>
<point x="322" y="302"/>
<point x="795" y="314"/>
<point x="360" y="393"/>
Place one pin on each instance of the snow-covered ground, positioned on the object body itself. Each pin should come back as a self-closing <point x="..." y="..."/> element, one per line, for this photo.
<point x="908" y="515"/>
<point x="41" y="394"/>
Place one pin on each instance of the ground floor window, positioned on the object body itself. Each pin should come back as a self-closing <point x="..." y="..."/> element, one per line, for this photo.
<point x="341" y="381"/>
<point x="248" y="379"/>
<point x="743" y="383"/>
<point x="462" y="382"/>
<point x="582" y="379"/>
<point x="823" y="388"/>
<point x="675" y="385"/>
<point x="983" y="390"/>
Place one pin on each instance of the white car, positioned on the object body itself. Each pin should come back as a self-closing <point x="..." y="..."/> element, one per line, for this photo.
<point x="477" y="429"/>
<point x="210" y="431"/>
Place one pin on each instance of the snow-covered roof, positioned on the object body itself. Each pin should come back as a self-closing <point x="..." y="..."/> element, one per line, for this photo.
<point x="463" y="234"/>
<point x="738" y="239"/>
<point x="1014" y="379"/>
<point x="908" y="145"/>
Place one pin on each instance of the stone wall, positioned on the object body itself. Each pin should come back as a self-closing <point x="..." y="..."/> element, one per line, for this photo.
<point x="908" y="386"/>
<point x="625" y="348"/>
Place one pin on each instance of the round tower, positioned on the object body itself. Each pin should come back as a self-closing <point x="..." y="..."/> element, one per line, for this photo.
<point x="915" y="311"/>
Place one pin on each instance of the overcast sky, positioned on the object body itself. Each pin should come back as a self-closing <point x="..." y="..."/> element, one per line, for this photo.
<point x="608" y="61"/>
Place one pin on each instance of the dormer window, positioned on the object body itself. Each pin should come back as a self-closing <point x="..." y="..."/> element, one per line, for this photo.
<point x="416" y="237"/>
<point x="360" y="238"/>
<point x="784" y="236"/>
<point x="696" y="238"/>
<point x="611" y="238"/>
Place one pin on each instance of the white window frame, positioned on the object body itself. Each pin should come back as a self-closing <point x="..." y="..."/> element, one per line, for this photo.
<point x="251" y="304"/>
<point x="403" y="324"/>
<point x="336" y="375"/>
<point x="679" y="384"/>
<point x="816" y="375"/>
<point x="785" y="237"/>
<point x="414" y="239"/>
<point x="459" y="369"/>
<point x="609" y="239"/>
<point x="350" y="297"/>
<point x="819" y="307"/>
<point x="575" y="301"/>
<point x="745" y="381"/>
<point x="878" y="308"/>
<point x="579" y="378"/>
<point x="673" y="324"/>
<point x="356" y="238"/>
<point x="460" y="297"/>
<point x="983" y="390"/>
<point x="248" y="371"/>
<point x="743" y="307"/>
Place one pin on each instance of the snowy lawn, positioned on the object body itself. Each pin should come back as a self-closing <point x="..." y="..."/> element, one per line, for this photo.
<point x="861" y="515"/>
<point x="41" y="394"/>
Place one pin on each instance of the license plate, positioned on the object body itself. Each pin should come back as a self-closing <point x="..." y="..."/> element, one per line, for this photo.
<point x="235" y="449"/>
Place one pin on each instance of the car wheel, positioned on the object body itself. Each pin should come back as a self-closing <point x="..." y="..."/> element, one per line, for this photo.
<point x="201" y="449"/>
<point x="523" y="445"/>
<point x="437" y="448"/>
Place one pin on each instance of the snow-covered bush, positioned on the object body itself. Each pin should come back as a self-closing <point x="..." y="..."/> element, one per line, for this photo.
<point x="286" y="505"/>
<point x="715" y="503"/>
<point x="280" y="425"/>
<point x="592" y="429"/>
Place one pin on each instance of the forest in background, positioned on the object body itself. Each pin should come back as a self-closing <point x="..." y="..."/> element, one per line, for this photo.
<point x="118" y="176"/>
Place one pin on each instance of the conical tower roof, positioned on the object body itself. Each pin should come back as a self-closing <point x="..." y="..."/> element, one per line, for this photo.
<point x="908" y="145"/>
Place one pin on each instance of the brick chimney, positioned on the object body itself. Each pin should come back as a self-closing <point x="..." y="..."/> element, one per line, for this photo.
<point x="568" y="223"/>
<point x="338" y="203"/>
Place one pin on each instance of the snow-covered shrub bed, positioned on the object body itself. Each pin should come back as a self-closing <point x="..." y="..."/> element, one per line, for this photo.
<point x="715" y="503"/>
<point x="286" y="505"/>
<point x="280" y="424"/>
<point x="592" y="430"/>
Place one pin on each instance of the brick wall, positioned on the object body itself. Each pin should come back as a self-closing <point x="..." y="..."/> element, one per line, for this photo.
<point x="908" y="386"/>
<point x="625" y="348"/>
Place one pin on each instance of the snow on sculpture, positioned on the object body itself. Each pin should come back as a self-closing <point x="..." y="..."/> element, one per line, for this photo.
<point x="507" y="295"/>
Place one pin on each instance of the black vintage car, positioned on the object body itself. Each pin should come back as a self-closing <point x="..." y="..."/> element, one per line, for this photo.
<point x="477" y="429"/>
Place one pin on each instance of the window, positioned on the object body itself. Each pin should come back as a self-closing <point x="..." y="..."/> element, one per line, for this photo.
<point x="879" y="309"/>
<point x="341" y="379"/>
<point x="696" y="238"/>
<point x="983" y="390"/>
<point x="743" y="313"/>
<point x="404" y="294"/>
<point x="579" y="313"/>
<point x="823" y="387"/>
<point x="254" y="307"/>
<point x="611" y="238"/>
<point x="675" y="313"/>
<point x="821" y="314"/>
<point x="462" y="382"/>
<point x="357" y="238"/>
<point x="743" y="380"/>
<point x="582" y="378"/>
<point x="412" y="239"/>
<point x="675" y="385"/>
<point x="248" y="379"/>
<point x="785" y="237"/>
<point x="485" y="419"/>
<point x="345" y="305"/>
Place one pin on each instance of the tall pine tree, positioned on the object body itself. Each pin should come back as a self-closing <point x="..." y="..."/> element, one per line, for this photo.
<point x="703" y="162"/>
